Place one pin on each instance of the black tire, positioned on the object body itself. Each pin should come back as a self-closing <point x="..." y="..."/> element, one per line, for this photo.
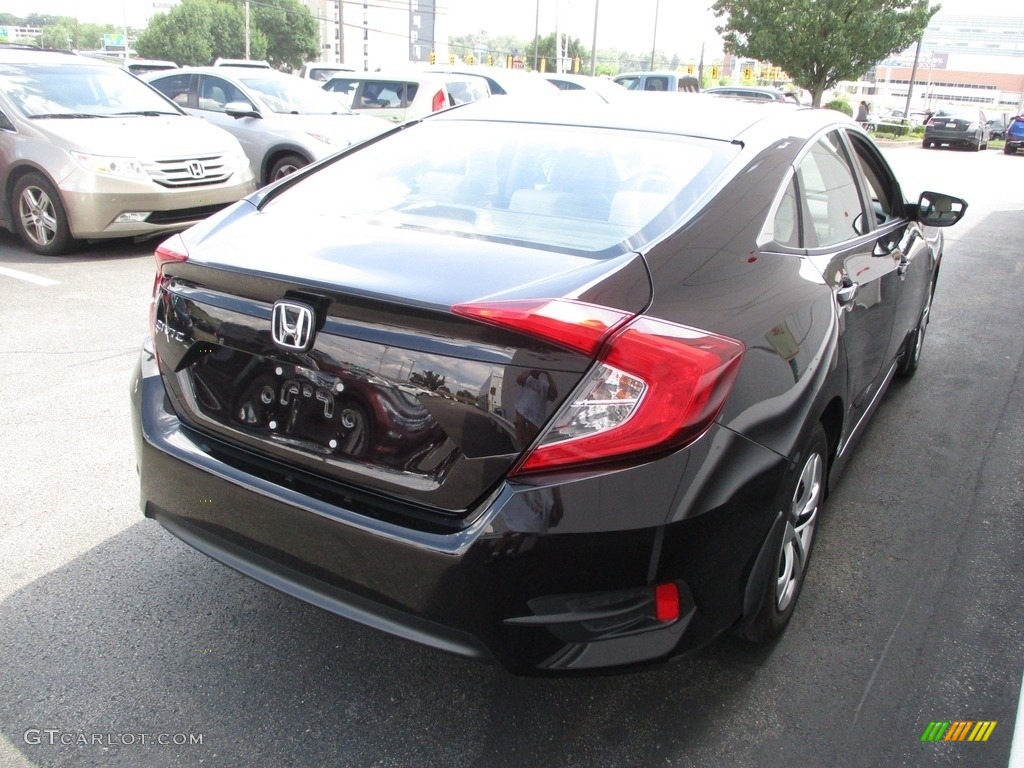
<point x="793" y="551"/>
<point x="285" y="166"/>
<point x="907" y="366"/>
<point x="39" y="216"/>
<point x="927" y="144"/>
<point x="1008" y="150"/>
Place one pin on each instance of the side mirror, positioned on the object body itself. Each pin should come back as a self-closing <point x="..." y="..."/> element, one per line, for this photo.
<point x="935" y="209"/>
<point x="241" y="109"/>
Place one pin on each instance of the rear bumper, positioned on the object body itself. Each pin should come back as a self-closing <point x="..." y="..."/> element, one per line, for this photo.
<point x="513" y="582"/>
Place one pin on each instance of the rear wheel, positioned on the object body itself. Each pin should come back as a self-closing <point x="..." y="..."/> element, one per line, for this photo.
<point x="793" y="553"/>
<point x="1008" y="150"/>
<point x="39" y="216"/>
<point x="927" y="143"/>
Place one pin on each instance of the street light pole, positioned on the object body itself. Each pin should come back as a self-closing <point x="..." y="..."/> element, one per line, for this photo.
<point x="654" y="43"/>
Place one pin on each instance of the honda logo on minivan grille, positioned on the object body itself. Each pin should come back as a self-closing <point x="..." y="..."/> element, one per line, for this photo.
<point x="293" y="325"/>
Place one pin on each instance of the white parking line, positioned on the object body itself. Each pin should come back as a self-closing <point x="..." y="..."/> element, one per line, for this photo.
<point x="1017" y="745"/>
<point x="28" y="278"/>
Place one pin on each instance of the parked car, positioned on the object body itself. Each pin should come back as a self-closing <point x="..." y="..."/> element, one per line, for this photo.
<point x="505" y="82"/>
<point x="957" y="127"/>
<point x="1014" y="135"/>
<point x="88" y="152"/>
<point x="283" y="122"/>
<point x="755" y="93"/>
<point x="623" y="404"/>
<point x="247" y="63"/>
<point x="142" y="66"/>
<point x="601" y="86"/>
<point x="657" y="81"/>
<point x="401" y="96"/>
<point x="997" y="128"/>
<point x="316" y="70"/>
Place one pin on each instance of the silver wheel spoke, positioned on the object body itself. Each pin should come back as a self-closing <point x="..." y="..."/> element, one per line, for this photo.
<point x="796" y="545"/>
<point x="38" y="216"/>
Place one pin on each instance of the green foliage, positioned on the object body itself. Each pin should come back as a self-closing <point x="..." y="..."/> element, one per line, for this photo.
<point x="196" y="32"/>
<point x="820" y="43"/>
<point x="292" y="34"/>
<point x="840" y="105"/>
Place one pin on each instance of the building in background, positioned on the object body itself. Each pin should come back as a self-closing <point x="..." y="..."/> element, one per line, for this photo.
<point x="977" y="60"/>
<point x="374" y="34"/>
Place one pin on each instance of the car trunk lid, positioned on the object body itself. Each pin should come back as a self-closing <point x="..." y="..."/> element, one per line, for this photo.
<point x="392" y="394"/>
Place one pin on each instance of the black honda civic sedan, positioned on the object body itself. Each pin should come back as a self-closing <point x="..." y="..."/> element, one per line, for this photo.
<point x="562" y="386"/>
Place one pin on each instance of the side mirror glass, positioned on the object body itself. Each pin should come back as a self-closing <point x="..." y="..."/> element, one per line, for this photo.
<point x="935" y="209"/>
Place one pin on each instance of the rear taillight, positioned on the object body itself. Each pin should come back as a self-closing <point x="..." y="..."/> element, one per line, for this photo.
<point x="655" y="386"/>
<point x="439" y="101"/>
<point x="171" y="250"/>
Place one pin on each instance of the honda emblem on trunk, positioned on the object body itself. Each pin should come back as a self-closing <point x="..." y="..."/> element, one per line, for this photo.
<point x="293" y="325"/>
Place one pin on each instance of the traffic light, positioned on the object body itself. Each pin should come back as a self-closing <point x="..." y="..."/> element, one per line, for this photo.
<point x="432" y="58"/>
<point x="490" y="60"/>
<point x="689" y="69"/>
<point x="469" y="59"/>
<point x="748" y="73"/>
<point x="714" y="72"/>
<point x="576" y="65"/>
<point x="451" y="58"/>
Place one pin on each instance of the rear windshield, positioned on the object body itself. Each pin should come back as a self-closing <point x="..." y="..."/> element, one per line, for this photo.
<point x="74" y="90"/>
<point x="595" y="192"/>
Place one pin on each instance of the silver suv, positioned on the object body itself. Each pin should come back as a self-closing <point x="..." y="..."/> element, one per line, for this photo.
<point x="282" y="121"/>
<point x="88" y="152"/>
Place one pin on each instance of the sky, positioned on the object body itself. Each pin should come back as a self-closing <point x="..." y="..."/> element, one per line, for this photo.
<point x="683" y="25"/>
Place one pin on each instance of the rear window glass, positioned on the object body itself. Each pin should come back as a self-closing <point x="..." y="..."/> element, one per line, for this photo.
<point x="597" y="192"/>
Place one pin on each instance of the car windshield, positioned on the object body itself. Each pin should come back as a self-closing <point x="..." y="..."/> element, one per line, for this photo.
<point x="72" y="90"/>
<point x="293" y="96"/>
<point x="594" y="192"/>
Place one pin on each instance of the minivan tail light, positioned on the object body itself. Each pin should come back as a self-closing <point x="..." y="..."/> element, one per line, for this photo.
<point x="655" y="386"/>
<point x="439" y="102"/>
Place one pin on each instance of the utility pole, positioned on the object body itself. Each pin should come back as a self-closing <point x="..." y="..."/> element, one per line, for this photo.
<point x="593" y="46"/>
<point x="536" y="36"/>
<point x="246" y="29"/>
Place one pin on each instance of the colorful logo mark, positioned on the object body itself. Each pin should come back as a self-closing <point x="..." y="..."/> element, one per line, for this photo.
<point x="959" y="730"/>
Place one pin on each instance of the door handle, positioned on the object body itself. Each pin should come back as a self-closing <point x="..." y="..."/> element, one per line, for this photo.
<point x="903" y="266"/>
<point x="847" y="292"/>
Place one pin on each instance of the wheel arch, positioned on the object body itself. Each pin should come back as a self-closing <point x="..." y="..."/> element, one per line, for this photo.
<point x="14" y="175"/>
<point x="275" y="154"/>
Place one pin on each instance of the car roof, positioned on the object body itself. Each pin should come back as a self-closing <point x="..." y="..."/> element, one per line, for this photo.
<point x="229" y="71"/>
<point x="684" y="114"/>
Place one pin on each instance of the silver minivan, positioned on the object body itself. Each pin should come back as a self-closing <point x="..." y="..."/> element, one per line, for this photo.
<point x="89" y="152"/>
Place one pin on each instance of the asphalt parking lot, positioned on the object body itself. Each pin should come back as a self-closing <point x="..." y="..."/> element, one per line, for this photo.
<point x="121" y="646"/>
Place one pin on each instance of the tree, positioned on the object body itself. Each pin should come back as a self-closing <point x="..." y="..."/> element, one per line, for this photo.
<point x="292" y="34"/>
<point x="820" y="43"/>
<point x="196" y="32"/>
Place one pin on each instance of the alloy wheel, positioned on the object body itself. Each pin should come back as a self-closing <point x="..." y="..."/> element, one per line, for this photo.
<point x="38" y="215"/>
<point x="799" y="533"/>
